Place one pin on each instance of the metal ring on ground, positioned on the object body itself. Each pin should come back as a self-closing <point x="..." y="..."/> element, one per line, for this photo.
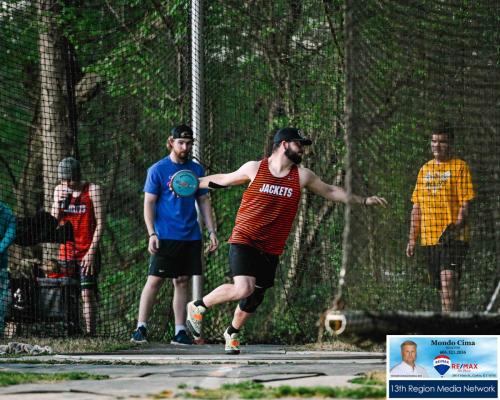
<point x="335" y="322"/>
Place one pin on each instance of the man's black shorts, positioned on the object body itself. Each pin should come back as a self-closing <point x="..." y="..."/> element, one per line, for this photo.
<point x="249" y="261"/>
<point x="176" y="258"/>
<point x="73" y="269"/>
<point x="445" y="257"/>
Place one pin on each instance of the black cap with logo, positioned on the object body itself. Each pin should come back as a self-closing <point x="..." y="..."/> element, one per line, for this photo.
<point x="291" y="135"/>
<point x="182" y="132"/>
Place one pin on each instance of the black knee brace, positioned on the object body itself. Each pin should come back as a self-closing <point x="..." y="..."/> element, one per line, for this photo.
<point x="251" y="303"/>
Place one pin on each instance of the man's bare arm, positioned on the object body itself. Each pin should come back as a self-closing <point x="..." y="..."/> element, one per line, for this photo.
<point x="88" y="261"/>
<point x="58" y="197"/>
<point x="463" y="213"/>
<point x="97" y="202"/>
<point x="242" y="175"/>
<point x="149" y="218"/>
<point x="415" y="220"/>
<point x="312" y="182"/>
<point x="205" y="207"/>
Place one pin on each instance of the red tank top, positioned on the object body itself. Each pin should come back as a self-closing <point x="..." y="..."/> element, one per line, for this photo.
<point x="267" y="210"/>
<point x="80" y="212"/>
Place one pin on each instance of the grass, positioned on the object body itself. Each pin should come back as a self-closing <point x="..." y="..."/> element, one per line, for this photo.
<point x="341" y="345"/>
<point x="371" y="385"/>
<point x="370" y="378"/>
<point x="8" y="378"/>
<point x="105" y="345"/>
<point x="252" y="390"/>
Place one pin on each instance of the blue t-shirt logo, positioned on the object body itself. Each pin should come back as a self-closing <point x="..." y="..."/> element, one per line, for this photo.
<point x="176" y="217"/>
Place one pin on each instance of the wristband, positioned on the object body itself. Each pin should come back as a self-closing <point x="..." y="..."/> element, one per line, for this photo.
<point x="213" y="185"/>
<point x="210" y="232"/>
<point x="364" y="201"/>
<point x="153" y="234"/>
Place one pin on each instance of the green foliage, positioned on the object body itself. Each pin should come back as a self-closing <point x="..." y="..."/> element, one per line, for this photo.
<point x="8" y="378"/>
<point x="418" y="75"/>
<point x="17" y="72"/>
<point x="253" y="390"/>
<point x="273" y="64"/>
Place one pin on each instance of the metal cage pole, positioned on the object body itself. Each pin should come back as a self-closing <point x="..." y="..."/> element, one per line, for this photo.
<point x="197" y="104"/>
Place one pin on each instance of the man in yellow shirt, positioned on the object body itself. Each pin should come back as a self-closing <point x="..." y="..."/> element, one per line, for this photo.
<point x="440" y="208"/>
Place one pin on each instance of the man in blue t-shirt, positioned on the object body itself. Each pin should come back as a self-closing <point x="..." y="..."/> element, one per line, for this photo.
<point x="174" y="233"/>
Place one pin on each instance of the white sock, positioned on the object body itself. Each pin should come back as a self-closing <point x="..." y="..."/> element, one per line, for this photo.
<point x="139" y="324"/>
<point x="179" y="328"/>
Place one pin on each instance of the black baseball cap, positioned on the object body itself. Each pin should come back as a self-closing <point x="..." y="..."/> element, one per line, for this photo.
<point x="182" y="132"/>
<point x="291" y="135"/>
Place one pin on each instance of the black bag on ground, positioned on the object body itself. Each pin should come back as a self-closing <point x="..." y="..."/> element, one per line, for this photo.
<point x="58" y="298"/>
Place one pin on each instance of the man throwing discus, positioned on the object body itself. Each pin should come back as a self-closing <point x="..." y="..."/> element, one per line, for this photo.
<point x="263" y="223"/>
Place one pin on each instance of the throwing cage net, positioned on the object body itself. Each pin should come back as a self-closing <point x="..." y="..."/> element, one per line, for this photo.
<point x="105" y="81"/>
<point x="414" y="69"/>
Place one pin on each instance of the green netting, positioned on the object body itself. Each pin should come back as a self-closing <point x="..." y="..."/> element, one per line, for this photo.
<point x="105" y="82"/>
<point x="413" y="66"/>
<point x="269" y="65"/>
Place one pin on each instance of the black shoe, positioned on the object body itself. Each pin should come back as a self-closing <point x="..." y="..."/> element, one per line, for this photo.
<point x="181" y="338"/>
<point x="140" y="335"/>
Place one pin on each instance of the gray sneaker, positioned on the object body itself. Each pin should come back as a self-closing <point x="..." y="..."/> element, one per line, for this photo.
<point x="194" y="319"/>
<point x="232" y="343"/>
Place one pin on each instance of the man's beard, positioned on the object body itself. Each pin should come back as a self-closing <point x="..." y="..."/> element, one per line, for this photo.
<point x="183" y="155"/>
<point x="293" y="156"/>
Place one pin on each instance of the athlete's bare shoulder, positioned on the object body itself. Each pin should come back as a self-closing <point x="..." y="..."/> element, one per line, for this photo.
<point x="252" y="164"/>
<point x="94" y="186"/>
<point x="250" y="169"/>
<point x="306" y="176"/>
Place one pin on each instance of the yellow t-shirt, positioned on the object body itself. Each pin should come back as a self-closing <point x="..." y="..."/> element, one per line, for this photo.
<point x="440" y="191"/>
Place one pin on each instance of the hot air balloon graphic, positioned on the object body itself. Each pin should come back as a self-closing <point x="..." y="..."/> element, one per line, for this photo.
<point x="442" y="364"/>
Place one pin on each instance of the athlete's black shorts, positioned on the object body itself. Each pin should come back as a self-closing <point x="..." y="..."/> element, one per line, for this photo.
<point x="73" y="269"/>
<point x="445" y="257"/>
<point x="249" y="261"/>
<point x="176" y="258"/>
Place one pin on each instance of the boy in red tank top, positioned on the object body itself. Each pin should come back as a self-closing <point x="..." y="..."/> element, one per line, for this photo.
<point x="79" y="202"/>
<point x="263" y="223"/>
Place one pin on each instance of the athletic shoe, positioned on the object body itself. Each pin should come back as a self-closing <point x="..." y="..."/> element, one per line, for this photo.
<point x="139" y="335"/>
<point x="181" y="338"/>
<point x="195" y="319"/>
<point x="232" y="343"/>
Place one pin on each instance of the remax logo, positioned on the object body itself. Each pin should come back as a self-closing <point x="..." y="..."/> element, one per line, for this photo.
<point x="442" y="364"/>
<point x="465" y="366"/>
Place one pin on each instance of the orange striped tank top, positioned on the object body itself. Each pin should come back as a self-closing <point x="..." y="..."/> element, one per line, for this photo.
<point x="267" y="210"/>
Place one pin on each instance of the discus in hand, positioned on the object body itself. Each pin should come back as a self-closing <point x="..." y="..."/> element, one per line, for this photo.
<point x="184" y="183"/>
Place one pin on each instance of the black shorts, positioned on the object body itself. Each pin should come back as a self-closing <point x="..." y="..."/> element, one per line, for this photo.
<point x="176" y="258"/>
<point x="445" y="257"/>
<point x="249" y="261"/>
<point x="73" y="269"/>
